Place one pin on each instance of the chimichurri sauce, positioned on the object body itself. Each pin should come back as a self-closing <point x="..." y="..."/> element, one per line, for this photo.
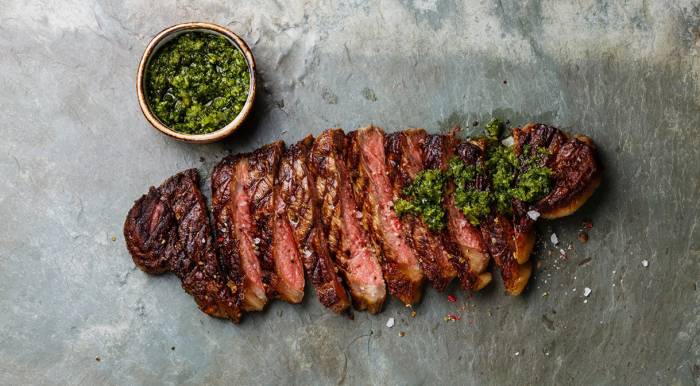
<point x="197" y="83"/>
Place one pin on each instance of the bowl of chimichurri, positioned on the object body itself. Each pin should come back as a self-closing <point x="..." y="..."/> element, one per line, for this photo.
<point x="196" y="82"/>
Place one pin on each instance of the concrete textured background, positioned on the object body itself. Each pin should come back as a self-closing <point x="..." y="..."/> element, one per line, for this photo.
<point x="76" y="151"/>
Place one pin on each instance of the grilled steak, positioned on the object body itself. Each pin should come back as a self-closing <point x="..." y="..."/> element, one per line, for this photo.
<point x="242" y="200"/>
<point x="167" y="230"/>
<point x="464" y="237"/>
<point x="299" y="234"/>
<point x="404" y="151"/>
<point x="367" y="162"/>
<point x="325" y="208"/>
<point x="348" y="240"/>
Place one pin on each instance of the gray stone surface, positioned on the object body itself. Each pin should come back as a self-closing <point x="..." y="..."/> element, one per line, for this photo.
<point x="75" y="153"/>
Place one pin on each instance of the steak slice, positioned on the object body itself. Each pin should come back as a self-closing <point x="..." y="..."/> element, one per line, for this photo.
<point x="366" y="158"/>
<point x="576" y="169"/>
<point x="167" y="230"/>
<point x="299" y="233"/>
<point x="348" y="241"/>
<point x="243" y="206"/>
<point x="404" y="151"/>
<point x="467" y="235"/>
<point x="465" y="238"/>
<point x="263" y="165"/>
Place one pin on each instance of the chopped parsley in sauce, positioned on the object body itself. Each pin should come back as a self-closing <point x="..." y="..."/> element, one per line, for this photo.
<point x="423" y="198"/>
<point x="197" y="83"/>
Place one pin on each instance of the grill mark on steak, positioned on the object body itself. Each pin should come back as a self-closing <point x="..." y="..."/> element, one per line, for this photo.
<point x="348" y="241"/>
<point x="297" y="208"/>
<point x="402" y="272"/>
<point x="404" y="152"/>
<point x="464" y="238"/>
<point x="167" y="229"/>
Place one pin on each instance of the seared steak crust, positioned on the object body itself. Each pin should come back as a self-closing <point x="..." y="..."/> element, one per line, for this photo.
<point x="297" y="206"/>
<point x="167" y="229"/>
<point x="345" y="224"/>
<point x="404" y="152"/>
<point x="367" y="160"/>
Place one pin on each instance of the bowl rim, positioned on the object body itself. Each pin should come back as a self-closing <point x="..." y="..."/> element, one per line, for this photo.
<point x="152" y="47"/>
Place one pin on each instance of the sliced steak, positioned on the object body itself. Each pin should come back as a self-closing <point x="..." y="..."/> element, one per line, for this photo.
<point x="464" y="237"/>
<point x="167" y="230"/>
<point x="243" y="206"/>
<point x="404" y="151"/>
<point x="367" y="160"/>
<point x="349" y="244"/>
<point x="299" y="234"/>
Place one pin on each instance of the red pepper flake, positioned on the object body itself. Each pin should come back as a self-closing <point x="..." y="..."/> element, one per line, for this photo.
<point x="454" y="317"/>
<point x="451" y="298"/>
<point x="588" y="224"/>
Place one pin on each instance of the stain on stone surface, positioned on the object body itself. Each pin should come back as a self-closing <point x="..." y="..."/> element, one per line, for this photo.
<point x="368" y="94"/>
<point x="329" y="97"/>
<point x="431" y="12"/>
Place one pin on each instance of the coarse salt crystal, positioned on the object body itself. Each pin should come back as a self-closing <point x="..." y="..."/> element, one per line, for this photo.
<point x="358" y="214"/>
<point x="645" y="263"/>
<point x="307" y="253"/>
<point x="554" y="239"/>
<point x="533" y="214"/>
<point x="517" y="353"/>
<point x="256" y="241"/>
<point x="390" y="323"/>
<point x="510" y="141"/>
<point x="586" y="291"/>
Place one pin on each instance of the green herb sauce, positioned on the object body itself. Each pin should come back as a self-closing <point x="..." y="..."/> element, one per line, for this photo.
<point x="423" y="198"/>
<point x="512" y="177"/>
<point x="197" y="83"/>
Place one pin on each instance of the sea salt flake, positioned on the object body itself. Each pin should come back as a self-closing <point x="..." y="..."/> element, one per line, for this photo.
<point x="554" y="239"/>
<point x="256" y="241"/>
<point x="586" y="291"/>
<point x="390" y="323"/>
<point x="645" y="263"/>
<point x="533" y="214"/>
<point x="510" y="141"/>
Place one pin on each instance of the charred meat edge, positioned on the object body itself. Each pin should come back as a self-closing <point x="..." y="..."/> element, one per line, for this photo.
<point x="465" y="238"/>
<point x="404" y="151"/>
<point x="297" y="208"/>
<point x="348" y="242"/>
<point x="402" y="272"/>
<point x="167" y="230"/>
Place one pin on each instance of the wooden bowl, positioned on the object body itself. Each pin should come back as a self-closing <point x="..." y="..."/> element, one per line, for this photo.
<point x="165" y="36"/>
